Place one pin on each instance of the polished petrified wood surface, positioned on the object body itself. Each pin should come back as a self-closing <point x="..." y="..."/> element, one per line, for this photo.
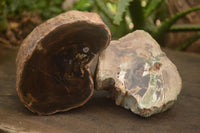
<point x="53" y="62"/>
<point x="138" y="74"/>
<point x="101" y="115"/>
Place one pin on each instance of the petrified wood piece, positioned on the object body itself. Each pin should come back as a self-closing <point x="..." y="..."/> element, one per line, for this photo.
<point x="53" y="63"/>
<point x="138" y="74"/>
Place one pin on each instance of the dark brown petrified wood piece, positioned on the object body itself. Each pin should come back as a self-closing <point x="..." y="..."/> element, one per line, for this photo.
<point x="53" y="63"/>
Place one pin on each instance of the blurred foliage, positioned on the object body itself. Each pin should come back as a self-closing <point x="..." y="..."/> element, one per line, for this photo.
<point x="121" y="16"/>
<point x="188" y="42"/>
<point x="47" y="8"/>
<point x="83" y="5"/>
<point x="125" y="16"/>
<point x="3" y="19"/>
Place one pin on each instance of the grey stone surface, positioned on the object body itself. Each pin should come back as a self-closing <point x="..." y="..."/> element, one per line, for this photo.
<point x="138" y="74"/>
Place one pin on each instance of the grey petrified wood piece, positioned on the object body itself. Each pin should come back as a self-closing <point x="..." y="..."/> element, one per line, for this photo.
<point x="138" y="74"/>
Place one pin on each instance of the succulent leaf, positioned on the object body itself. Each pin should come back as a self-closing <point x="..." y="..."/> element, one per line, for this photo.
<point x="122" y="5"/>
<point x="184" y="27"/>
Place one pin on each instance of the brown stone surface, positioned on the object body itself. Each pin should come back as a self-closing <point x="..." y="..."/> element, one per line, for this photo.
<point x="100" y="115"/>
<point x="53" y="62"/>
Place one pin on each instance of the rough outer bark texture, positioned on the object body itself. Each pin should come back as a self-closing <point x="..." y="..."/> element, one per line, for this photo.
<point x="54" y="61"/>
<point x="138" y="74"/>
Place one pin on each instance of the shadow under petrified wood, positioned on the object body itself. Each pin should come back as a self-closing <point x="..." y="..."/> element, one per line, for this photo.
<point x="101" y="114"/>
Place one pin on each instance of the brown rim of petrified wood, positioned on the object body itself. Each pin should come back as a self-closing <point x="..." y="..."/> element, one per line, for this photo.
<point x="74" y="37"/>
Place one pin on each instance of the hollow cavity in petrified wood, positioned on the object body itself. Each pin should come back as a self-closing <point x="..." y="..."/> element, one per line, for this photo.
<point x="56" y="76"/>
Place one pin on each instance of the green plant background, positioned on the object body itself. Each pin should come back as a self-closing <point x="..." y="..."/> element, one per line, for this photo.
<point x="121" y="16"/>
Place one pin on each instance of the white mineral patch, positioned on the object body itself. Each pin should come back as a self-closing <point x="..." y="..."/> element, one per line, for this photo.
<point x="122" y="72"/>
<point x="154" y="98"/>
<point x="122" y="76"/>
<point x="86" y="49"/>
<point x="146" y="69"/>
